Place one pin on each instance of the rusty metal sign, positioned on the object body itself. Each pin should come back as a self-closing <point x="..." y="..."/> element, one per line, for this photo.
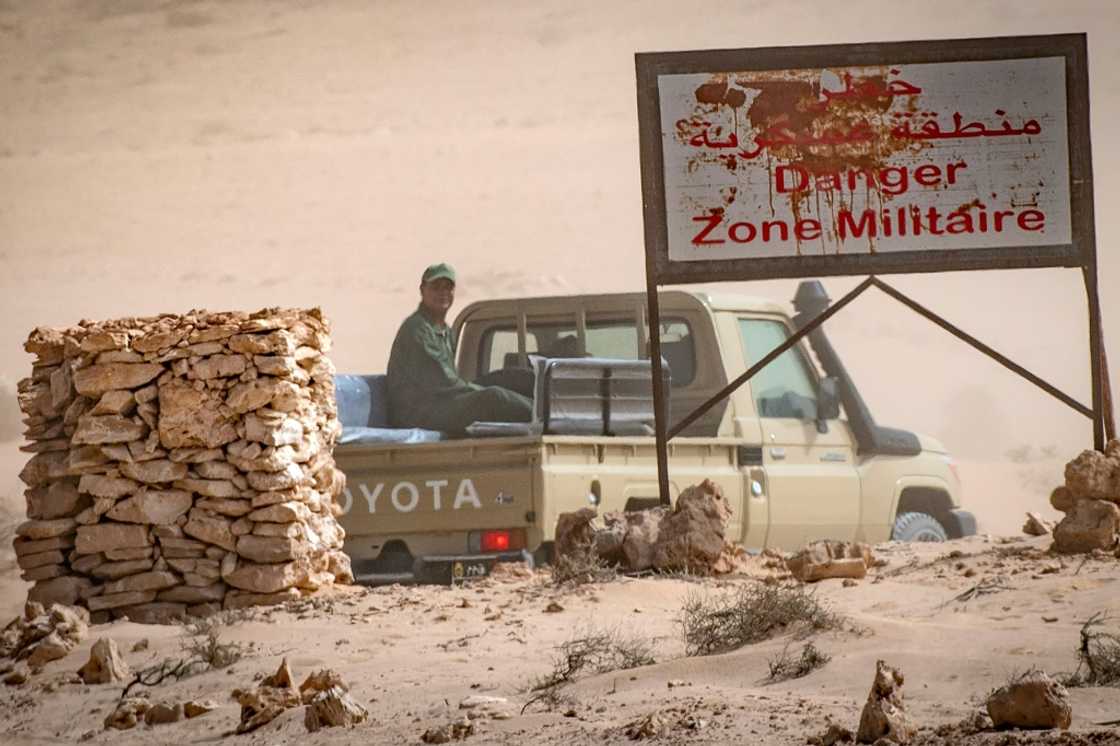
<point x="860" y="159"/>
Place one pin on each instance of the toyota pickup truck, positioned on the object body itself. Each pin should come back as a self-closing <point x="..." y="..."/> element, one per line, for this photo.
<point x="795" y="450"/>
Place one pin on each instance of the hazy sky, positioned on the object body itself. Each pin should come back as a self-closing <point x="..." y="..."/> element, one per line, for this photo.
<point x="160" y="156"/>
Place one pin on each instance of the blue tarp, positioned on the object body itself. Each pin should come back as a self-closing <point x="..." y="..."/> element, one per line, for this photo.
<point x="362" y="410"/>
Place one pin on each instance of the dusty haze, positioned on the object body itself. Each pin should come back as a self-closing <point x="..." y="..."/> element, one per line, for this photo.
<point x="162" y="156"/>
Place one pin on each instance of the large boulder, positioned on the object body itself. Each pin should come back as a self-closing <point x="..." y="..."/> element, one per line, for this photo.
<point x="1033" y="700"/>
<point x="692" y="537"/>
<point x="884" y="715"/>
<point x="575" y="533"/>
<point x="1090" y="524"/>
<point x="1096" y="474"/>
<point x="630" y="538"/>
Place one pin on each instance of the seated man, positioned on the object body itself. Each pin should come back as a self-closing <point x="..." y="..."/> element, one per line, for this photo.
<point x="425" y="390"/>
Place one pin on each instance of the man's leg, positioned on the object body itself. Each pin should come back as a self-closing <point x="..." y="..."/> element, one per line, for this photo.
<point x="492" y="404"/>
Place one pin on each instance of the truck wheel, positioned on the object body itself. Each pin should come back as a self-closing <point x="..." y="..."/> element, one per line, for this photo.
<point x="918" y="527"/>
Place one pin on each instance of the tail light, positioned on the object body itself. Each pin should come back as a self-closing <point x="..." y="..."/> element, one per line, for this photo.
<point x="497" y="540"/>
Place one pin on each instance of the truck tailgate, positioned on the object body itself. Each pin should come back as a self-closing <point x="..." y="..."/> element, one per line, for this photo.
<point x="451" y="486"/>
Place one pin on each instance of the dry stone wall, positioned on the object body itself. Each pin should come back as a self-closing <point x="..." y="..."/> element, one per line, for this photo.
<point x="181" y="464"/>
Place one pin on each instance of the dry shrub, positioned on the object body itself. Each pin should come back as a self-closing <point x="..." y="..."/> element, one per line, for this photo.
<point x="203" y="642"/>
<point x="579" y="568"/>
<point x="785" y="666"/>
<point x="724" y="622"/>
<point x="203" y="651"/>
<point x="588" y="653"/>
<point x="1098" y="656"/>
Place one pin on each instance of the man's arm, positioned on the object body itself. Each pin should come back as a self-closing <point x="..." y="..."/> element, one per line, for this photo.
<point x="435" y="365"/>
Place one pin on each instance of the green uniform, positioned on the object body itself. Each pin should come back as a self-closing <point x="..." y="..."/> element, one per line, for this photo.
<point x="426" y="391"/>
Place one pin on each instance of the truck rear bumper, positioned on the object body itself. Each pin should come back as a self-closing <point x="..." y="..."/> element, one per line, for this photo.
<point x="436" y="570"/>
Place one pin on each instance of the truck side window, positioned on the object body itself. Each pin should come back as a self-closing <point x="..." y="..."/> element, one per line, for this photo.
<point x="613" y="339"/>
<point x="501" y="342"/>
<point x="784" y="388"/>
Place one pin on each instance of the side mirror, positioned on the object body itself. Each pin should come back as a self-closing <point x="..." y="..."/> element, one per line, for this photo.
<point x="828" y="399"/>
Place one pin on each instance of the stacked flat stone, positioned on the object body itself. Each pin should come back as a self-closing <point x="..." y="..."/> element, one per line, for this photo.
<point x="182" y="464"/>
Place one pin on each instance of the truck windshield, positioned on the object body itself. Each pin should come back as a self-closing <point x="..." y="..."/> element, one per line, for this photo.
<point x="612" y="339"/>
<point x="784" y="388"/>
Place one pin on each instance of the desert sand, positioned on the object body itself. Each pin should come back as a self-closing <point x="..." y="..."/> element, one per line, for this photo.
<point x="411" y="655"/>
<point x="162" y="156"/>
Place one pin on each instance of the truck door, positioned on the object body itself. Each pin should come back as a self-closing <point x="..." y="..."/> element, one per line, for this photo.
<point x="811" y="479"/>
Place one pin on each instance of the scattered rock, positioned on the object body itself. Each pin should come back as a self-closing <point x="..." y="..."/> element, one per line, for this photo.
<point x="884" y="715"/>
<point x="275" y="694"/>
<point x="453" y="731"/>
<point x="163" y="712"/>
<point x="1035" y="526"/>
<point x="320" y="681"/>
<point x="1034" y="700"/>
<point x="833" y="734"/>
<point x="17" y="677"/>
<point x="41" y="636"/>
<point x="128" y="713"/>
<point x="105" y="664"/>
<point x="831" y="559"/>
<point x="648" y="726"/>
<point x="195" y="707"/>
<point x="332" y="708"/>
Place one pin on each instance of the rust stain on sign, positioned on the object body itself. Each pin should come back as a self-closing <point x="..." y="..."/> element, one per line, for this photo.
<point x="826" y="143"/>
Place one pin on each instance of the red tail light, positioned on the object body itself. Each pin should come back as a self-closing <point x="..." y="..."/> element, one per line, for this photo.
<point x="502" y="541"/>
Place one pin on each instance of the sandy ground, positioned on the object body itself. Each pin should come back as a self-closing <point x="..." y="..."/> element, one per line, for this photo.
<point x="412" y="654"/>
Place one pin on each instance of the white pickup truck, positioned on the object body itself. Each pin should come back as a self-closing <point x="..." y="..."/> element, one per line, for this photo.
<point x="793" y="465"/>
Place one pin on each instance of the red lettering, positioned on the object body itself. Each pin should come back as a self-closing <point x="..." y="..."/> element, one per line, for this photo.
<point x="807" y="229"/>
<point x="951" y="171"/>
<point x="894" y="179"/>
<point x="798" y="172"/>
<point x="928" y="175"/>
<point x="999" y="216"/>
<point x="734" y="230"/>
<point x="1032" y="220"/>
<point x="959" y="222"/>
<point x="713" y="222"/>
<point x="932" y="216"/>
<point x="848" y="225"/>
<point x="769" y="225"/>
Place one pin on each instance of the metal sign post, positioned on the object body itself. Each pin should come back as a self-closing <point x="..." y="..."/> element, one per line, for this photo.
<point x="865" y="159"/>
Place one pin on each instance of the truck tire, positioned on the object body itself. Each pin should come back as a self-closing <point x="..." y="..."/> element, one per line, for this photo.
<point x="918" y="527"/>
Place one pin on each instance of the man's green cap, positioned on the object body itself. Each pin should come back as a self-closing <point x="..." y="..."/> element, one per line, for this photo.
<point x="436" y="271"/>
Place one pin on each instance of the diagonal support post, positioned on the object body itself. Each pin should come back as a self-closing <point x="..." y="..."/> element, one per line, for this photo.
<point x="1001" y="359"/>
<point x="773" y="354"/>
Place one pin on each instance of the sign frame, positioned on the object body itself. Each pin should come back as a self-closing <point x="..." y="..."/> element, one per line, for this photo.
<point x="1080" y="252"/>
